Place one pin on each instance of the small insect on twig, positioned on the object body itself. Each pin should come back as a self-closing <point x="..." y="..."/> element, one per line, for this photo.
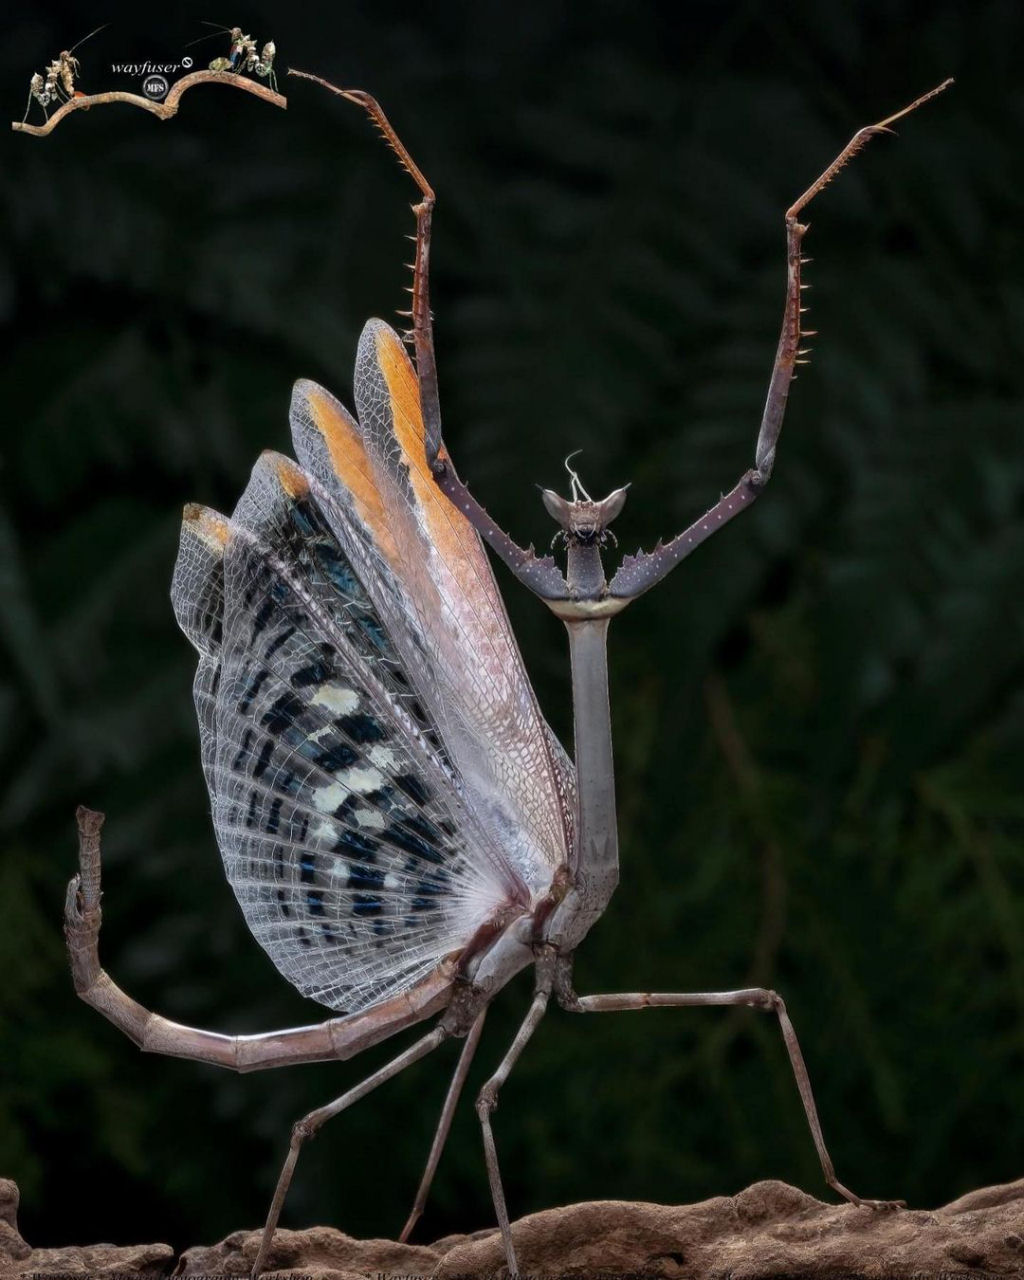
<point x="58" y="84"/>
<point x="403" y="831"/>
<point x="263" y="66"/>
<point x="237" y="50"/>
<point x="242" y="56"/>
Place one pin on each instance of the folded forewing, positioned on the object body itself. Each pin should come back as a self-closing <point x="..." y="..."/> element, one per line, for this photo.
<point x="330" y="447"/>
<point x="451" y="612"/>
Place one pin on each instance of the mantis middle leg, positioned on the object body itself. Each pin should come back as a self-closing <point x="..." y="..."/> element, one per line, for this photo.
<point x="756" y="998"/>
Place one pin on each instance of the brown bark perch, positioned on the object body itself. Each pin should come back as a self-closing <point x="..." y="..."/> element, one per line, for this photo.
<point x="768" y="1230"/>
<point x="165" y="110"/>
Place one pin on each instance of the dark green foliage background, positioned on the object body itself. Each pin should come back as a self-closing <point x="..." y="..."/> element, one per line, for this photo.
<point x="818" y="719"/>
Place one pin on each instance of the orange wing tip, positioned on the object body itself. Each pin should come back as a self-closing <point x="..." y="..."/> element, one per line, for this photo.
<point x="207" y="524"/>
<point x="325" y="412"/>
<point x="291" y="477"/>
<point x="391" y="353"/>
<point x="347" y="454"/>
<point x="324" y="408"/>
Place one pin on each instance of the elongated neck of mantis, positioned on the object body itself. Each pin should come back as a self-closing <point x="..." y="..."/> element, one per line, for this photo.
<point x="597" y="846"/>
<point x="594" y="866"/>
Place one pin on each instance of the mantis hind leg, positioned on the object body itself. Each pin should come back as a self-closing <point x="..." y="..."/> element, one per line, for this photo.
<point x="487" y="1101"/>
<point x="444" y="1124"/>
<point x="311" y="1123"/>
<point x="756" y="998"/>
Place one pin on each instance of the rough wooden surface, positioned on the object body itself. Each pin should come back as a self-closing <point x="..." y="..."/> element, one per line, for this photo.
<point x="769" y="1230"/>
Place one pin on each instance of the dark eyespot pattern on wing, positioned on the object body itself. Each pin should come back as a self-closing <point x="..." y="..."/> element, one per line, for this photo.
<point x="339" y="821"/>
<point x="382" y="779"/>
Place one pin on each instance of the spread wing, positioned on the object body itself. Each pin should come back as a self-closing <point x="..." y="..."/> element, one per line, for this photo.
<point x="346" y="678"/>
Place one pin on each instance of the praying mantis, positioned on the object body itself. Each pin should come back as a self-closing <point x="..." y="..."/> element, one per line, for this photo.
<point x="403" y="831"/>
<point x="58" y="84"/>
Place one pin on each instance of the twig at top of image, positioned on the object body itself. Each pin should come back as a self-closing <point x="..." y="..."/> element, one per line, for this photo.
<point x="164" y="110"/>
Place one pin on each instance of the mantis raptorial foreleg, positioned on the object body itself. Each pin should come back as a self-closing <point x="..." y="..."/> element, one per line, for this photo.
<point x="638" y="573"/>
<point x="541" y="575"/>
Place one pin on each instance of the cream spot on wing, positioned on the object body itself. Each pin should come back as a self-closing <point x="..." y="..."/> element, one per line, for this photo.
<point x="326" y="799"/>
<point x="339" y="875"/>
<point x="370" y="818"/>
<point x="383" y="757"/>
<point x="361" y="780"/>
<point x="336" y="698"/>
<point x="325" y="831"/>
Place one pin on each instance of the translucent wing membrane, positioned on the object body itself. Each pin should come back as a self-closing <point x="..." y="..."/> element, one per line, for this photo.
<point x="382" y="781"/>
<point x="441" y="605"/>
<point x="198" y="596"/>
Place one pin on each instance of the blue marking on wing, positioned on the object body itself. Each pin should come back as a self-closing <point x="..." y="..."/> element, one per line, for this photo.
<point x="339" y="820"/>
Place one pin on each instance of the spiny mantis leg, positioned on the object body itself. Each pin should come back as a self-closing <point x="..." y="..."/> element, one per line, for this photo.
<point x="331" y="1040"/>
<point x="541" y="575"/>
<point x="487" y="1099"/>
<point x="309" y="1124"/>
<point x="756" y="998"/>
<point x="639" y="573"/>
<point x="445" y="1123"/>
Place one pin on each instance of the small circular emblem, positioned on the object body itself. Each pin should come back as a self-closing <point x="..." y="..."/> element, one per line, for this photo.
<point x="155" y="87"/>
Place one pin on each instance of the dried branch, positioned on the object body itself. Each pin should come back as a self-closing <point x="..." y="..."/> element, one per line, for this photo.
<point x="164" y="110"/>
